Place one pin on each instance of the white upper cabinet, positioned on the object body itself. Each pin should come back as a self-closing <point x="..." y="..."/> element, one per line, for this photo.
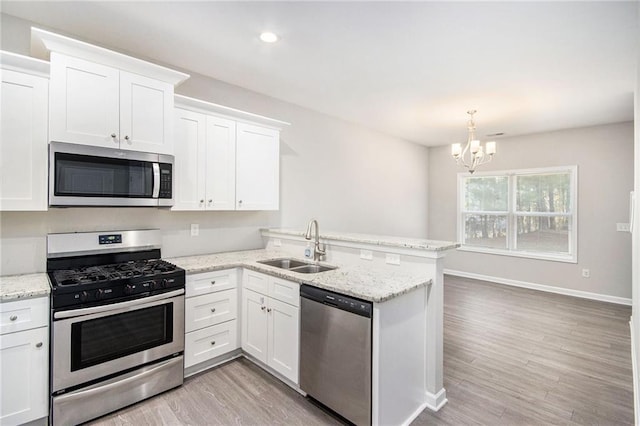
<point x="257" y="168"/>
<point x="223" y="162"/>
<point x="93" y="104"/>
<point x="24" y="98"/>
<point x="107" y="99"/>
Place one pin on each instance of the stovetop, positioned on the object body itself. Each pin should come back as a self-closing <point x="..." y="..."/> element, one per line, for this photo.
<point x="118" y="271"/>
<point x="78" y="286"/>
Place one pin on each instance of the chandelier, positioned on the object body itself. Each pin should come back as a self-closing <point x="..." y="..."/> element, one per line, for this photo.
<point x="473" y="154"/>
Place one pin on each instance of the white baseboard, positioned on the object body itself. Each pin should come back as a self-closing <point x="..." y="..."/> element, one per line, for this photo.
<point x="436" y="401"/>
<point x="634" y="363"/>
<point x="542" y="287"/>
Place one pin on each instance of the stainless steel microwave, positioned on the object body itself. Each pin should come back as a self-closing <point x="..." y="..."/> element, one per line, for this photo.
<point x="91" y="176"/>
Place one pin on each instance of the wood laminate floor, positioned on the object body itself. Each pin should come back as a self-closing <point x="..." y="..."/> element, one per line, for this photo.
<point x="511" y="357"/>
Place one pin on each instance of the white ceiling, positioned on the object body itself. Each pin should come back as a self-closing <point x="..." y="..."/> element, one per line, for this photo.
<point x="408" y="69"/>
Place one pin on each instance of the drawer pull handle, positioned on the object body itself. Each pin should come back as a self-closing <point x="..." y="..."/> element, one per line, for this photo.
<point x="269" y="310"/>
<point x="213" y="310"/>
<point x="213" y="282"/>
<point x="263" y="307"/>
<point x="13" y="317"/>
<point x="213" y="342"/>
<point x="39" y="345"/>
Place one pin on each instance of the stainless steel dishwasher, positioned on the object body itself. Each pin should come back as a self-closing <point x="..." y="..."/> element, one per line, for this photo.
<point x="335" y="352"/>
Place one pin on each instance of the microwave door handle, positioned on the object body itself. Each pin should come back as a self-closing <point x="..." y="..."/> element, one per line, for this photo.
<point x="156" y="180"/>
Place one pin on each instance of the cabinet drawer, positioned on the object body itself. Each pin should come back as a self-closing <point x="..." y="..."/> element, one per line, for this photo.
<point x="285" y="291"/>
<point x="210" y="309"/>
<point x="24" y="314"/>
<point x="209" y="282"/>
<point x="210" y="342"/>
<point x="256" y="281"/>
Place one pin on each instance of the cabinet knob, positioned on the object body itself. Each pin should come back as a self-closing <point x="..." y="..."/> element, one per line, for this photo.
<point x="13" y="317"/>
<point x="213" y="282"/>
<point x="127" y="138"/>
<point x="213" y="310"/>
<point x="39" y="345"/>
<point x="239" y="201"/>
<point x="269" y="310"/>
<point x="213" y="342"/>
<point x="113" y="135"/>
<point x="210" y="201"/>
<point x="263" y="308"/>
<point x="201" y="201"/>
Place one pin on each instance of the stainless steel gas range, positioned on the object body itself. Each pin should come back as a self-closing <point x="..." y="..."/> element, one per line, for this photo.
<point x="117" y="322"/>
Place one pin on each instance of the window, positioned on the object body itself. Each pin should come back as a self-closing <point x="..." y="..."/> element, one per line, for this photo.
<point x="527" y="213"/>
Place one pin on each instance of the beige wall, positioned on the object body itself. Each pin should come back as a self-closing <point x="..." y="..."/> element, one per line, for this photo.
<point x="348" y="177"/>
<point x="604" y="156"/>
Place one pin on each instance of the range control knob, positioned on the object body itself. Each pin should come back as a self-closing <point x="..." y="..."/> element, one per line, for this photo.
<point x="128" y="289"/>
<point x="98" y="294"/>
<point x="157" y="285"/>
<point x="166" y="283"/>
<point x="84" y="296"/>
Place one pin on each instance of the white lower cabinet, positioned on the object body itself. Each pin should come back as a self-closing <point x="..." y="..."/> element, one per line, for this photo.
<point x="271" y="325"/>
<point x="211" y="311"/>
<point x="24" y="361"/>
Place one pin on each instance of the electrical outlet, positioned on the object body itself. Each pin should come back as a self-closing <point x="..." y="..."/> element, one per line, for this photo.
<point x="393" y="259"/>
<point x="366" y="254"/>
<point x="623" y="227"/>
<point x="586" y="273"/>
<point x="195" y="229"/>
<point x="277" y="242"/>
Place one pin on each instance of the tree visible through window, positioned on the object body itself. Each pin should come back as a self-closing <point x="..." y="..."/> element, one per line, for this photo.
<point x="523" y="212"/>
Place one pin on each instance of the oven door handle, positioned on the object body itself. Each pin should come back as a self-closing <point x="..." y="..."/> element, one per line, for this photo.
<point x="117" y="307"/>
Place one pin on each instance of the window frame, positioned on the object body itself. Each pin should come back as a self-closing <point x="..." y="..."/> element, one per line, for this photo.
<point x="512" y="215"/>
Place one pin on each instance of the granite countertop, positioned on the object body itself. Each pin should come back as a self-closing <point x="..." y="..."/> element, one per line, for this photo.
<point x="375" y="284"/>
<point x="14" y="287"/>
<point x="379" y="240"/>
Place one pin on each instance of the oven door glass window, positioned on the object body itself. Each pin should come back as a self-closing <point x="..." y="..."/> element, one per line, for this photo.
<point x="104" y="339"/>
<point x="88" y="176"/>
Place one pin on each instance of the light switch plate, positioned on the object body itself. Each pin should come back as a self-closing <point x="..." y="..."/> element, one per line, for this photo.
<point x="195" y="229"/>
<point x="277" y="242"/>
<point x="366" y="254"/>
<point x="393" y="259"/>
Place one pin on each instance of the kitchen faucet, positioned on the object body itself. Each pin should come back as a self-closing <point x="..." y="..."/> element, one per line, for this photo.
<point x="317" y="251"/>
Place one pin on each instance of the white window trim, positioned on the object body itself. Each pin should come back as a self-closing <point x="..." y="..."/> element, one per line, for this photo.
<point x="571" y="257"/>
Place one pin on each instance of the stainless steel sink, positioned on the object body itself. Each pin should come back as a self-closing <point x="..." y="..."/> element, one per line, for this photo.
<point x="297" y="266"/>
<point x="312" y="269"/>
<point x="283" y="263"/>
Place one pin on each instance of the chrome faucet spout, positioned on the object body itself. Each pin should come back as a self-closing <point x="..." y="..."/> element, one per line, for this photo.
<point x="318" y="251"/>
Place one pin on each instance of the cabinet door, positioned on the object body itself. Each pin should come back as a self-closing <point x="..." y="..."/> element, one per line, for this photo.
<point x="257" y="168"/>
<point x="146" y="114"/>
<point x="221" y="160"/>
<point x="254" y="325"/>
<point x="190" y="167"/>
<point x="23" y="141"/>
<point x="24" y="387"/>
<point x="284" y="338"/>
<point x="84" y="102"/>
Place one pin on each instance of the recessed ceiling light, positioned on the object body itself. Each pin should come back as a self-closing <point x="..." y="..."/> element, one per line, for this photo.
<point x="268" y="37"/>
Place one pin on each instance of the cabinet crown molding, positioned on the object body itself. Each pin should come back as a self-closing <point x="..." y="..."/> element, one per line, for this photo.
<point x="199" y="105"/>
<point x="43" y="42"/>
<point x="26" y="64"/>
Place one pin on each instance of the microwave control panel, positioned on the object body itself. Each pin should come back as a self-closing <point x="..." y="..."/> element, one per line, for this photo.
<point x="165" y="181"/>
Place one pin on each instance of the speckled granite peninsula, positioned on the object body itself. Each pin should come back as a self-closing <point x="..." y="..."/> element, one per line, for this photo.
<point x="402" y="276"/>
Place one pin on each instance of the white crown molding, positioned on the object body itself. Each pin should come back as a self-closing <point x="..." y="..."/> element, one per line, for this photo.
<point x="43" y="42"/>
<point x="226" y="112"/>
<point x="26" y="64"/>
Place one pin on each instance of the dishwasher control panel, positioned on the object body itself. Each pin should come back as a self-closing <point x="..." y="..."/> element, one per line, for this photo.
<point x="337" y="300"/>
